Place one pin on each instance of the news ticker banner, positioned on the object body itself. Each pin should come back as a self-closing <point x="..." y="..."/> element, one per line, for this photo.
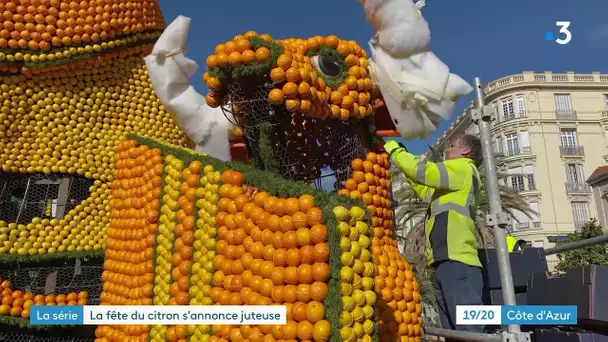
<point x="274" y="314"/>
<point x="516" y="314"/>
<point x="156" y="314"/>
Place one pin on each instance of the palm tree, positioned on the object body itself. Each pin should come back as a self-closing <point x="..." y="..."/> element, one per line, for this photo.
<point x="410" y="209"/>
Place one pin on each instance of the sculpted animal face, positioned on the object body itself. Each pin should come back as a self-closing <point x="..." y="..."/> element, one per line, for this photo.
<point x="320" y="77"/>
<point x="307" y="102"/>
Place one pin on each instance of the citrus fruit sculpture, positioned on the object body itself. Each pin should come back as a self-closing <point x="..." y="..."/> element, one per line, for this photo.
<point x="189" y="229"/>
<point x="186" y="228"/>
<point x="73" y="83"/>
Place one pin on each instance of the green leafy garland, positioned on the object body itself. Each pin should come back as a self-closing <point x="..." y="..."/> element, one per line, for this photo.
<point x="26" y="259"/>
<point x="254" y="68"/>
<point x="115" y="45"/>
<point x="277" y="186"/>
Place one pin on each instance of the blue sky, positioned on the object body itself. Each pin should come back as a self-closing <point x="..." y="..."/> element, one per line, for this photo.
<point x="489" y="39"/>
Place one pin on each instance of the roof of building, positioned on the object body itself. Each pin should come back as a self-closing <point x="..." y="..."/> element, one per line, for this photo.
<point x="597" y="175"/>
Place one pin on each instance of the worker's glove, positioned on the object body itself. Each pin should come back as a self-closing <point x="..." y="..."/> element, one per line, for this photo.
<point x="392" y="145"/>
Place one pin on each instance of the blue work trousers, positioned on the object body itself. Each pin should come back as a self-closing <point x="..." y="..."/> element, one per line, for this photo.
<point x="457" y="284"/>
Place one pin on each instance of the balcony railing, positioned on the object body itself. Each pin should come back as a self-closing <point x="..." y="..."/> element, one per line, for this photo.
<point x="577" y="188"/>
<point x="537" y="224"/>
<point x="531" y="78"/>
<point x="572" y="151"/>
<point x="565" y="114"/>
<point x="579" y="225"/>
<point x="512" y="152"/>
<point x="522" y="225"/>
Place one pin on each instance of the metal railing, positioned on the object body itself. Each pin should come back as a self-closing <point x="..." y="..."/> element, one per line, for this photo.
<point x="565" y="114"/>
<point x="574" y="151"/>
<point x="512" y="152"/>
<point x="481" y="115"/>
<point x="577" y="188"/>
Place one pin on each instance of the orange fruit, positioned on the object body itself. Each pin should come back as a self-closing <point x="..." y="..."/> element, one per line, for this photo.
<point x="318" y="291"/>
<point x="289" y="330"/>
<point x="277" y="75"/>
<point x="320" y="271"/>
<point x="321" y="330"/>
<point x="304" y="273"/>
<point x="262" y="54"/>
<point x="305" y="330"/>
<point x="303" y="236"/>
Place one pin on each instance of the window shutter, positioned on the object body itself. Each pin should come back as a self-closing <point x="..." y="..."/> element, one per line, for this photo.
<point x="525" y="141"/>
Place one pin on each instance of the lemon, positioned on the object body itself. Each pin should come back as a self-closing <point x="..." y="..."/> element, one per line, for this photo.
<point x="347" y="259"/>
<point x="356" y="213"/>
<point x="341" y="213"/>
<point x="358" y="315"/>
<point x="353" y="234"/>
<point x="345" y="244"/>
<point x="355" y="248"/>
<point x="356" y="281"/>
<point x="364" y="241"/>
<point x="348" y="304"/>
<point x="365" y="256"/>
<point x="347" y="334"/>
<point x="358" y="266"/>
<point x="358" y="297"/>
<point x="370" y="297"/>
<point x="367" y="283"/>
<point x="343" y="228"/>
<point x="346" y="318"/>
<point x="346" y="289"/>
<point x="362" y="227"/>
<point x="358" y="329"/>
<point x="368" y="312"/>
<point x="346" y="274"/>
<point x="368" y="267"/>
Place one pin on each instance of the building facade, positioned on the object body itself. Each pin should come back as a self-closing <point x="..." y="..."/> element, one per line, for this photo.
<point x="551" y="131"/>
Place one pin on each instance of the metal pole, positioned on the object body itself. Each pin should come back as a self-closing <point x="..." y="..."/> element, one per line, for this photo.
<point x="496" y="213"/>
<point x="462" y="335"/>
<point x="578" y="244"/>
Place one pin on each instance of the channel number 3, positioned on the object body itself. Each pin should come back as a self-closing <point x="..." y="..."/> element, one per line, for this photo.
<point x="564" y="32"/>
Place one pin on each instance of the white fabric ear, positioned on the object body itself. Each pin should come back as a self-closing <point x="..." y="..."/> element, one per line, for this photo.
<point x="417" y="87"/>
<point x="169" y="71"/>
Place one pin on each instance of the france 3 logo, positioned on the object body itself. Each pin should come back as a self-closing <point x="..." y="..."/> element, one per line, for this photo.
<point x="564" y="35"/>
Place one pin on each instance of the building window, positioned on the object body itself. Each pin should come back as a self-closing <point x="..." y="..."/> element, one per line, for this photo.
<point x="529" y="172"/>
<point x="605" y="101"/>
<point x="517" y="183"/>
<point x="568" y="136"/>
<point x="574" y="174"/>
<point x="563" y="107"/>
<point x="580" y="212"/>
<point x="520" y="105"/>
<point x="508" y="110"/>
<point x="512" y="144"/>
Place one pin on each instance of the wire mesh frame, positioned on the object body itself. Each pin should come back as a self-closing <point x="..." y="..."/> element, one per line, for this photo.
<point x="303" y="147"/>
<point x="25" y="196"/>
<point x="69" y="279"/>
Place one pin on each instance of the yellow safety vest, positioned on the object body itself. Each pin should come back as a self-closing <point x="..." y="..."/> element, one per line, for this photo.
<point x="511" y="241"/>
<point x="452" y="189"/>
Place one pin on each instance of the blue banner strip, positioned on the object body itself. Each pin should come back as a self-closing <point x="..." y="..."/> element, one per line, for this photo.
<point x="539" y="314"/>
<point x="57" y="315"/>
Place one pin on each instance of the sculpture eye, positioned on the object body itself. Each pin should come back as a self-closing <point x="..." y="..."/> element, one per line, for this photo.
<point x="327" y="65"/>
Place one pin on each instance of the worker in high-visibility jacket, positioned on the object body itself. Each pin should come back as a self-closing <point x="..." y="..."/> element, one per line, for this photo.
<point x="452" y="188"/>
<point x="514" y="245"/>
